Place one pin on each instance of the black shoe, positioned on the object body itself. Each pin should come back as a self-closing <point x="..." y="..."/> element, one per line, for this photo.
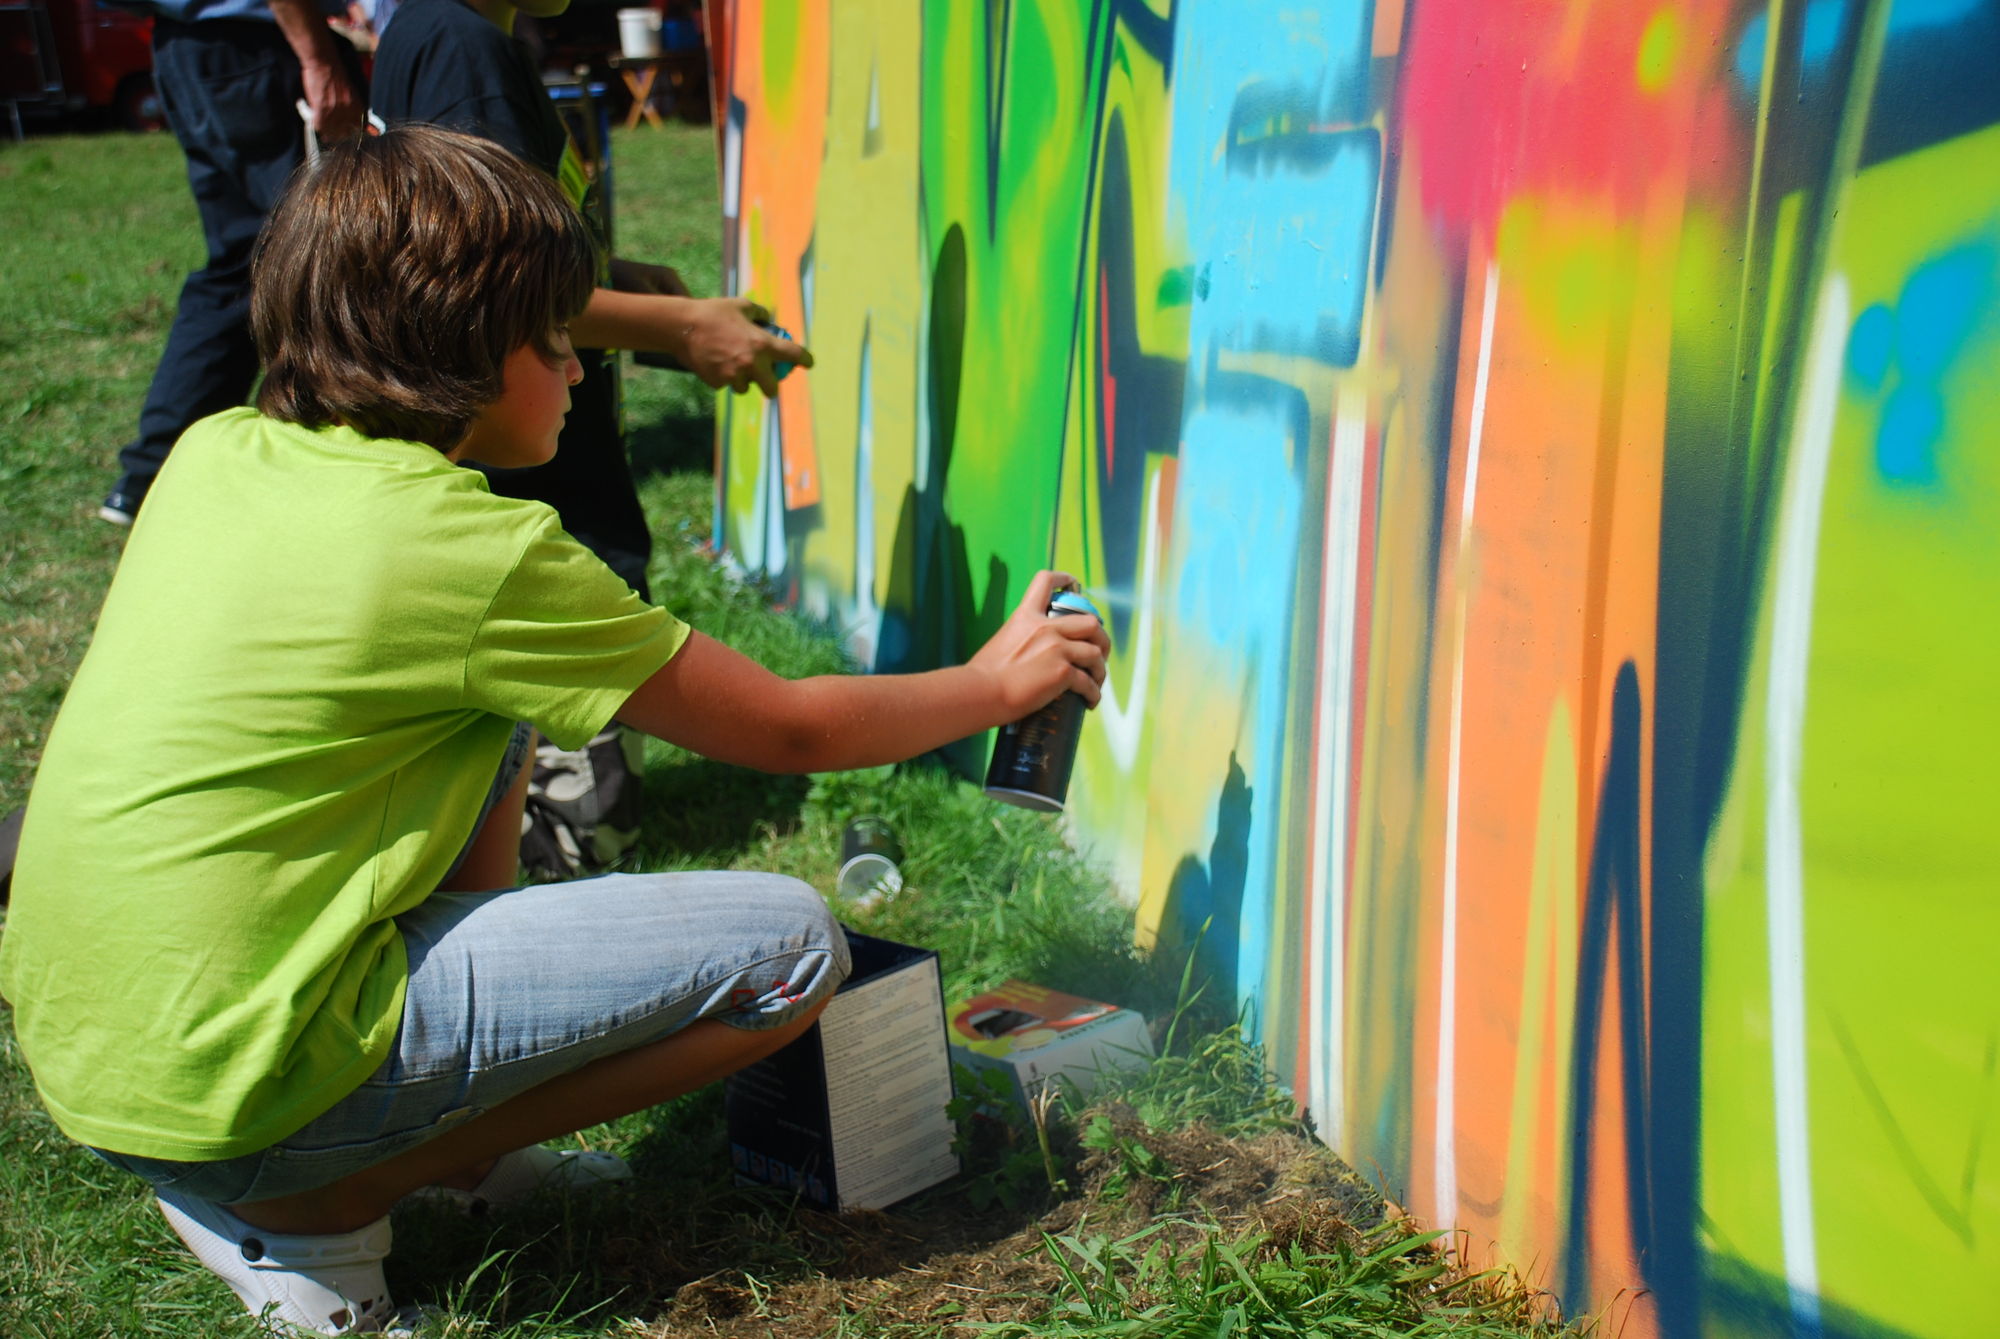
<point x="121" y="505"/>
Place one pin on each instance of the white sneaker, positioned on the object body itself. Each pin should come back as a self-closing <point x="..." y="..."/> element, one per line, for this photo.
<point x="526" y="1172"/>
<point x="329" y="1284"/>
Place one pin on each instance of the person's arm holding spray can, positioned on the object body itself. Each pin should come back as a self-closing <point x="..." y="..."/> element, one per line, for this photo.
<point x="729" y="343"/>
<point x="721" y="704"/>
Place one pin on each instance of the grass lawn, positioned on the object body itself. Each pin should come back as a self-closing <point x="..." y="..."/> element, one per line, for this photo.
<point x="1191" y="1205"/>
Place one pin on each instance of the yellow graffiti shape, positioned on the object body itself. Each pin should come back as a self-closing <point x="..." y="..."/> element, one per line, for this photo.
<point x="1540" y="1107"/>
<point x="1563" y="263"/>
<point x="868" y="295"/>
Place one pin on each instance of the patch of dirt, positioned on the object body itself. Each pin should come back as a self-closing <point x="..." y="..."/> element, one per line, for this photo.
<point x="935" y="1261"/>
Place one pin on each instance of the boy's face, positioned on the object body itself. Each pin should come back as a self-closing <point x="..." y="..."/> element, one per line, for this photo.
<point x="519" y="429"/>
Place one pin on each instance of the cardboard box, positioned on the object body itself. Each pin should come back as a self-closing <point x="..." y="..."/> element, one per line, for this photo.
<point x="852" y="1114"/>
<point x="1039" y="1036"/>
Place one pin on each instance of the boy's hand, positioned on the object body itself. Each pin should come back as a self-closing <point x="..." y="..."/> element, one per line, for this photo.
<point x="724" y="346"/>
<point x="1033" y="659"/>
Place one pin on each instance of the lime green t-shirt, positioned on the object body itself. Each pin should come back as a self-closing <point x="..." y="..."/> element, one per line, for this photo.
<point x="301" y="684"/>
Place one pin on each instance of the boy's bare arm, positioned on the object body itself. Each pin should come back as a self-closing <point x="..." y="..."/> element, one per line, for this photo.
<point x="717" y="339"/>
<point x="723" y="705"/>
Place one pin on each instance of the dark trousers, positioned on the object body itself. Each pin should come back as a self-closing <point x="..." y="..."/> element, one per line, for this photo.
<point x="229" y="88"/>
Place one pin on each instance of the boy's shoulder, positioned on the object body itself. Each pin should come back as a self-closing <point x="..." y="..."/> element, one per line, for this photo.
<point x="251" y="501"/>
<point x="241" y="450"/>
<point x="245" y="427"/>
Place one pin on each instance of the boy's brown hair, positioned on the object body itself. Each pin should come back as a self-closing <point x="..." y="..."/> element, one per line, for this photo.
<point x="397" y="274"/>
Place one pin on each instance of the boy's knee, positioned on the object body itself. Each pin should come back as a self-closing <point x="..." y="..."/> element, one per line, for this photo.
<point x="825" y="924"/>
<point x="827" y="934"/>
<point x="815" y="959"/>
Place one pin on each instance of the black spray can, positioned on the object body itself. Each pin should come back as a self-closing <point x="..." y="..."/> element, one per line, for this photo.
<point x="1032" y="757"/>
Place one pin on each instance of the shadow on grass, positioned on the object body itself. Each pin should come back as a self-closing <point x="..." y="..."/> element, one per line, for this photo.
<point x="675" y="443"/>
<point x="680" y="1236"/>
<point x="680" y="1249"/>
<point x="709" y="813"/>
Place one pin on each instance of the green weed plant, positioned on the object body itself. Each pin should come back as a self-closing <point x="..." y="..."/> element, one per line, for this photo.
<point x="1389" y="1283"/>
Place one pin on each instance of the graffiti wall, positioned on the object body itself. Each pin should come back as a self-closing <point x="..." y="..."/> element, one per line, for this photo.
<point x="1539" y="463"/>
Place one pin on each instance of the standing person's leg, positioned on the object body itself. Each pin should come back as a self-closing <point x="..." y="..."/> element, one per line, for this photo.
<point x="228" y="89"/>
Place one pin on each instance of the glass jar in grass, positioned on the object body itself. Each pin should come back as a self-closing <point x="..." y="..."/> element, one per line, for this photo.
<point x="1033" y="757"/>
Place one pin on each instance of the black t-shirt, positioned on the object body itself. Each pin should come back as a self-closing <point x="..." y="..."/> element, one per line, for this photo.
<point x="443" y="64"/>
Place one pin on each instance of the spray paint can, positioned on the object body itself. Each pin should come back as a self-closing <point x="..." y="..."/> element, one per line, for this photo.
<point x="1033" y="756"/>
<point x="779" y="367"/>
<point x="870" y="860"/>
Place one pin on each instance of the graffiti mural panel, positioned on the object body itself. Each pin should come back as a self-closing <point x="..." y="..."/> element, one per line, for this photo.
<point x="1538" y="462"/>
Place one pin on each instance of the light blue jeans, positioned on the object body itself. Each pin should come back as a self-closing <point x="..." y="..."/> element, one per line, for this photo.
<point x="511" y="989"/>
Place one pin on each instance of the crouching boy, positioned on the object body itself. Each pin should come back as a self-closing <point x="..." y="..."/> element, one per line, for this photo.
<point x="265" y="949"/>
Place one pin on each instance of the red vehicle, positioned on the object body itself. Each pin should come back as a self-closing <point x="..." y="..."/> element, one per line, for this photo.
<point x="77" y="58"/>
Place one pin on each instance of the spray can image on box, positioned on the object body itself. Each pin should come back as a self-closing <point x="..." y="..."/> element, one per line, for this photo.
<point x="1032" y="757"/>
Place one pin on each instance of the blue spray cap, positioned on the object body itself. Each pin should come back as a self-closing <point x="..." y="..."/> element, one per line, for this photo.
<point x="1071" y="602"/>
<point x="779" y="368"/>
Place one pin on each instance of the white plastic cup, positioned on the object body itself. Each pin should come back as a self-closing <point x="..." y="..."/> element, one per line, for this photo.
<point x="869" y="853"/>
<point x="639" y="33"/>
